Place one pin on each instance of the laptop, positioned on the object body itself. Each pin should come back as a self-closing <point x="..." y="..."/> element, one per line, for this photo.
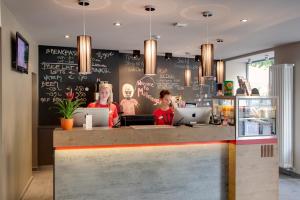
<point x="100" y="116"/>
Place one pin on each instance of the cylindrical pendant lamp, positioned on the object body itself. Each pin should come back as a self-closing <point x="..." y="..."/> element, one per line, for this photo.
<point x="150" y="52"/>
<point x="187" y="77"/>
<point x="220" y="71"/>
<point x="84" y="50"/>
<point x="200" y="74"/>
<point x="207" y="55"/>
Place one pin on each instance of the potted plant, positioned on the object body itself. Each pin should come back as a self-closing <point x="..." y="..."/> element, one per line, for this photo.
<point x="66" y="108"/>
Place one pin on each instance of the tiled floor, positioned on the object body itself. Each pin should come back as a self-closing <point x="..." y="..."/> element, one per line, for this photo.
<point x="289" y="188"/>
<point x="41" y="187"/>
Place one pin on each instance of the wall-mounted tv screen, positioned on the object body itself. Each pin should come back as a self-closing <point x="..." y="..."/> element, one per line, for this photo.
<point x="22" y="54"/>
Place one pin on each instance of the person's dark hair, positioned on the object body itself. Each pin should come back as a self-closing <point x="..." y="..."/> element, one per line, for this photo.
<point x="163" y="93"/>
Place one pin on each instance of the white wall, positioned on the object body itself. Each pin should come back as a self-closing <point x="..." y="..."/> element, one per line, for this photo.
<point x="234" y="69"/>
<point x="2" y="163"/>
<point x="291" y="54"/>
<point x="16" y="111"/>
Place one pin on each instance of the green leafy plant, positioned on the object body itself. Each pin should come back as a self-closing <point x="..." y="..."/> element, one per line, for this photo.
<point x="66" y="107"/>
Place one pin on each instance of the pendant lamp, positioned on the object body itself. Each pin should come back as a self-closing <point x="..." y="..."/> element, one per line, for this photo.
<point x="200" y="74"/>
<point x="187" y="73"/>
<point x="187" y="77"/>
<point x="220" y="71"/>
<point x="207" y="54"/>
<point x="150" y="49"/>
<point x="207" y="51"/>
<point x="84" y="46"/>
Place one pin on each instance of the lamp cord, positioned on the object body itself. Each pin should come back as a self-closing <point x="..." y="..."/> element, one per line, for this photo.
<point x="150" y="25"/>
<point x="206" y="30"/>
<point x="83" y="17"/>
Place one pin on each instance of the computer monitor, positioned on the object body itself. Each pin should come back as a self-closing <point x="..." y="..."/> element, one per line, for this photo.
<point x="100" y="116"/>
<point x="199" y="115"/>
<point x="132" y="120"/>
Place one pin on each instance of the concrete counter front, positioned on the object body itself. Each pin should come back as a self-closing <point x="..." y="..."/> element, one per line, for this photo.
<point x="150" y="162"/>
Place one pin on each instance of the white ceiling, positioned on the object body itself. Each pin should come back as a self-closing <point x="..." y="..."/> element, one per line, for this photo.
<point x="270" y="23"/>
<point x="256" y="57"/>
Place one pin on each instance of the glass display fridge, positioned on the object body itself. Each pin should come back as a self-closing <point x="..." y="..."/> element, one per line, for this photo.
<point x="253" y="116"/>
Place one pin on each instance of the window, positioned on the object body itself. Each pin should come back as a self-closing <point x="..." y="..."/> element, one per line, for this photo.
<point x="258" y="75"/>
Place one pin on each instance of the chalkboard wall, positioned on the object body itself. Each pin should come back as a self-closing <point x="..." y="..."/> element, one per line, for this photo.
<point x="169" y="76"/>
<point x="58" y="73"/>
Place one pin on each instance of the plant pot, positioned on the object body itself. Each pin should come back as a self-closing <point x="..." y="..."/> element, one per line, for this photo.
<point x="66" y="124"/>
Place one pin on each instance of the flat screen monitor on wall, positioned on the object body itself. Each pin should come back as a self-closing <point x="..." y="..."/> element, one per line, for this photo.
<point x="22" y="54"/>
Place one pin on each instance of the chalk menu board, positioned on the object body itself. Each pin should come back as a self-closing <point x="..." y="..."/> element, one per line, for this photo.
<point x="58" y="73"/>
<point x="170" y="76"/>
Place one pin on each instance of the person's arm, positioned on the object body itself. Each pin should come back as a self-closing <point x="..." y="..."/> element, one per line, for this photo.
<point x="155" y="117"/>
<point x="115" y="121"/>
<point x="115" y="116"/>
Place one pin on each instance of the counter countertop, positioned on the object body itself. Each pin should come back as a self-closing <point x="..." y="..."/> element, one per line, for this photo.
<point x="141" y="135"/>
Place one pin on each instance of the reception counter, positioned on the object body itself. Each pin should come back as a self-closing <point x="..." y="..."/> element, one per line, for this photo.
<point x="163" y="162"/>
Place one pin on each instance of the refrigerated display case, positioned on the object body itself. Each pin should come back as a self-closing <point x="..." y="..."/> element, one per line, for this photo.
<point x="253" y="116"/>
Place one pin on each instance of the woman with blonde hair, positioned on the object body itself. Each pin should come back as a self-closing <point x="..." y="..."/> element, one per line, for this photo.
<point x="105" y="101"/>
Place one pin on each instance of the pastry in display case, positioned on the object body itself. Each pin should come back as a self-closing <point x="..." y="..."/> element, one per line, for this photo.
<point x="254" y="117"/>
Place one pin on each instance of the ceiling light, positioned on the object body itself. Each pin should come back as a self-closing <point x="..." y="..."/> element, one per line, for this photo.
<point x="244" y="20"/>
<point x="136" y="54"/>
<point x="150" y="48"/>
<point x="187" y="73"/>
<point x="168" y="56"/>
<point x="155" y="37"/>
<point x="117" y="24"/>
<point x="220" y="71"/>
<point x="84" y="46"/>
<point x="207" y="53"/>
<point x="84" y="2"/>
<point x="207" y="50"/>
<point x="200" y="74"/>
<point x="180" y="25"/>
<point x="67" y="36"/>
<point x="207" y="14"/>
